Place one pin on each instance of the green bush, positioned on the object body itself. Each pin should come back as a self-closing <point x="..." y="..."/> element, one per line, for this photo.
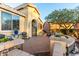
<point x="4" y="39"/>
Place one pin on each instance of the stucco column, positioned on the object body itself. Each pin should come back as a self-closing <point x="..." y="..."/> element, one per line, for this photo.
<point x="29" y="26"/>
<point x="28" y="29"/>
<point x="38" y="26"/>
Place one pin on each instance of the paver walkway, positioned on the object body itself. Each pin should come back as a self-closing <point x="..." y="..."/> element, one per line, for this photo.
<point x="37" y="45"/>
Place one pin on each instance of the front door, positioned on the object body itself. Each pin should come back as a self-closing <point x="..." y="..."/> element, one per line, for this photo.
<point x="34" y="28"/>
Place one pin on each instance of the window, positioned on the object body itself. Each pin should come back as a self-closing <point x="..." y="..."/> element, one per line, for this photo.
<point x="9" y="22"/>
<point x="6" y="21"/>
<point x="15" y="22"/>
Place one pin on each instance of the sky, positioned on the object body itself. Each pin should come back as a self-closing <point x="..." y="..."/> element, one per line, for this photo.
<point x="47" y="8"/>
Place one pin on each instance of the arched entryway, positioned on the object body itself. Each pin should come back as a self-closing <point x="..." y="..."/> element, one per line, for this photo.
<point x="34" y="28"/>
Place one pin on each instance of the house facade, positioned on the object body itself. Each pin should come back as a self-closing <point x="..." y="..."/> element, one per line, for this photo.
<point x="25" y="18"/>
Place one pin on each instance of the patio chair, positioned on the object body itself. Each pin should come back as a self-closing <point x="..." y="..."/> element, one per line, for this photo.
<point x="24" y="35"/>
<point x="58" y="48"/>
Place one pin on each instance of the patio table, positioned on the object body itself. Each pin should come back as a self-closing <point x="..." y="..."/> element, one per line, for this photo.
<point x="10" y="44"/>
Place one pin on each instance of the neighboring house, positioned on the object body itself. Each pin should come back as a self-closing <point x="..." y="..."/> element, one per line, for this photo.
<point x="25" y="18"/>
<point x="56" y="27"/>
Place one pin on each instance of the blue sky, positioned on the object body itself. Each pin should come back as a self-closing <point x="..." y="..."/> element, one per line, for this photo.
<point x="46" y="8"/>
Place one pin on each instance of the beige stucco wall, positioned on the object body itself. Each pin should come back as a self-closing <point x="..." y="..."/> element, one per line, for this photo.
<point x="40" y="29"/>
<point x="31" y="14"/>
<point x="22" y="24"/>
<point x="24" y="11"/>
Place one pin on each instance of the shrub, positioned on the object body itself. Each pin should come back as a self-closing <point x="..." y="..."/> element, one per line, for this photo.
<point x="5" y="39"/>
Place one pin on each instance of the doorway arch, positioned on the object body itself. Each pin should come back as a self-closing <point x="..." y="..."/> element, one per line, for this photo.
<point x="34" y="27"/>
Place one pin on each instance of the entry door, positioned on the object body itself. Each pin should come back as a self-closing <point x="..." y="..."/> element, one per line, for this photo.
<point x="34" y="28"/>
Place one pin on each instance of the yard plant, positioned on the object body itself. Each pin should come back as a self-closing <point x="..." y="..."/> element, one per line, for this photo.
<point x="64" y="17"/>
